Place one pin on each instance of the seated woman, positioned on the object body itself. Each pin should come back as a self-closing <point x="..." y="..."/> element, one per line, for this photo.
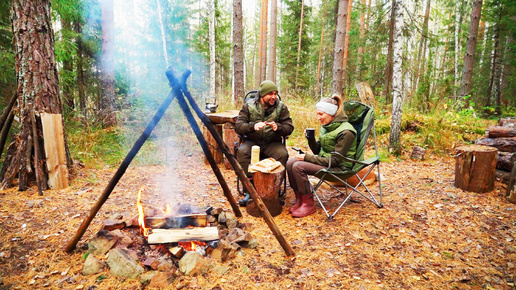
<point x="336" y="134"/>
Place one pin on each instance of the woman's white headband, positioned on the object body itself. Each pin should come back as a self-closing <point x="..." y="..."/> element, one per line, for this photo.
<point x="328" y="108"/>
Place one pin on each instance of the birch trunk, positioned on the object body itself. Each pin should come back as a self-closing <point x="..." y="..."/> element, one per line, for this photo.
<point x="338" y="52"/>
<point x="397" y="81"/>
<point x="211" y="11"/>
<point x="388" y="69"/>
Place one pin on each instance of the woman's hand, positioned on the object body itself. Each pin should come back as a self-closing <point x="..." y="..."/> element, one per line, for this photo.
<point x="300" y="157"/>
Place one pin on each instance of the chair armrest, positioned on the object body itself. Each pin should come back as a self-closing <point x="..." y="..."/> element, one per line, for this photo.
<point x="363" y="162"/>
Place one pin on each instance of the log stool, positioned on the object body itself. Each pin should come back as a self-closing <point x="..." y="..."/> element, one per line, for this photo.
<point x="475" y="168"/>
<point x="268" y="186"/>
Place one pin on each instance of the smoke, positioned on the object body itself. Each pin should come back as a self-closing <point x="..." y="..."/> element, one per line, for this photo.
<point x="148" y="37"/>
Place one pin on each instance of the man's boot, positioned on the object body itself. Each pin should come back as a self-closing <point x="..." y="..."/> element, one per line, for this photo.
<point x="297" y="204"/>
<point x="307" y="206"/>
<point x="247" y="197"/>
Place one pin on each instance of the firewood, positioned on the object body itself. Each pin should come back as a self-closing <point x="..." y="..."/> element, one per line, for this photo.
<point x="505" y="161"/>
<point x="173" y="222"/>
<point x="507" y="122"/>
<point x="507" y="144"/>
<point x="163" y="236"/>
<point x="177" y="252"/>
<point x="501" y="131"/>
<point x="475" y="168"/>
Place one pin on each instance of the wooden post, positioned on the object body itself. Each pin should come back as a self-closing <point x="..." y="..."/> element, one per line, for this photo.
<point x="236" y="166"/>
<point x="212" y="144"/>
<point x="268" y="186"/>
<point x="475" y="168"/>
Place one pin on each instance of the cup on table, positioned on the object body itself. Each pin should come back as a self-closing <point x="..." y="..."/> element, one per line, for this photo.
<point x="310" y="133"/>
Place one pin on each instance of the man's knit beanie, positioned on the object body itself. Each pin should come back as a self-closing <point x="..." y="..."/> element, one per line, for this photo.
<point x="267" y="87"/>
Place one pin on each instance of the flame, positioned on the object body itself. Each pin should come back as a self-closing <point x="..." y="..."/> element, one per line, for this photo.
<point x="191" y="245"/>
<point x="141" y="216"/>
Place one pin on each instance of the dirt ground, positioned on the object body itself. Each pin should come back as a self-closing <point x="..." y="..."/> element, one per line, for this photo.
<point x="428" y="235"/>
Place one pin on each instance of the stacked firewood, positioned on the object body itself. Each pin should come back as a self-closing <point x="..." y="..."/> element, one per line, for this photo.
<point x="502" y="137"/>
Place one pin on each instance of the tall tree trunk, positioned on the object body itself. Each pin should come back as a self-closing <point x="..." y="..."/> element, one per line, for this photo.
<point x="458" y="20"/>
<point x="211" y="11"/>
<point x="68" y="83"/>
<point x="318" y="91"/>
<point x="361" y="40"/>
<point x="107" y="100"/>
<point x="338" y="52"/>
<point x="81" y="79"/>
<point x="469" y="56"/>
<point x="397" y="81"/>
<point x="38" y="88"/>
<point x="238" y="56"/>
<point x="262" y="53"/>
<point x="422" y="48"/>
<point x="272" y="46"/>
<point x="346" y="45"/>
<point x="495" y="64"/>
<point x="299" y="41"/>
<point x="388" y="69"/>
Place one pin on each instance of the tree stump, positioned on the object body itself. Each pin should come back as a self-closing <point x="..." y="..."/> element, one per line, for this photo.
<point x="268" y="186"/>
<point x="475" y="168"/>
<point x="418" y="153"/>
<point x="212" y="144"/>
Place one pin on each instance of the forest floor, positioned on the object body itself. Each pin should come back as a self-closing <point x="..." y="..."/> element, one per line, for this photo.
<point x="428" y="235"/>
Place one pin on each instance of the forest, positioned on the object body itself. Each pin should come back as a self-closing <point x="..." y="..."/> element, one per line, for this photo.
<point x="441" y="72"/>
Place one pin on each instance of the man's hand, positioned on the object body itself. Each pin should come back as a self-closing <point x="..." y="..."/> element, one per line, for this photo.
<point x="273" y="125"/>
<point x="259" y="125"/>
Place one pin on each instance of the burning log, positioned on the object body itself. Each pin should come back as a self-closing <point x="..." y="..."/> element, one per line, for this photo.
<point x="174" y="222"/>
<point x="164" y="236"/>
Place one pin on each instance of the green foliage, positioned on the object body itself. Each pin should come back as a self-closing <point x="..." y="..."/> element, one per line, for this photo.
<point x="295" y="76"/>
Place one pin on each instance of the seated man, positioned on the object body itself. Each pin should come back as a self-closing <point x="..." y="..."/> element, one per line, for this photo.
<point x="264" y="121"/>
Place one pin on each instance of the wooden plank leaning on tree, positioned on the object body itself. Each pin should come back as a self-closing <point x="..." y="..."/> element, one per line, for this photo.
<point x="53" y="136"/>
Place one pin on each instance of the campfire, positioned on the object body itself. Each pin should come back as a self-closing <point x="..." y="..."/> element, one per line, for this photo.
<point x="186" y="225"/>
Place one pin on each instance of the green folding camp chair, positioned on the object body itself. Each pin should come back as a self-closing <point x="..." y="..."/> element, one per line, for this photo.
<point x="361" y="116"/>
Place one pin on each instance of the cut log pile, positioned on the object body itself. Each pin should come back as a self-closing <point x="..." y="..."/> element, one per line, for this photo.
<point x="502" y="137"/>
